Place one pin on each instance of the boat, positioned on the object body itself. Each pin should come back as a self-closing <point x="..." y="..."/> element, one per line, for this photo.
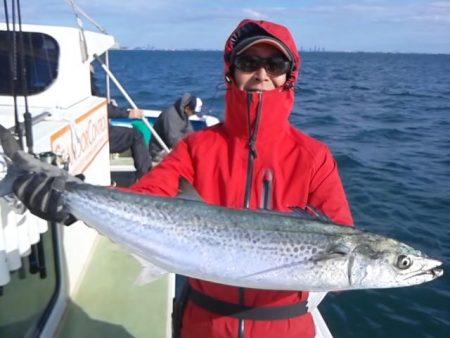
<point x="68" y="281"/>
<point x="47" y="271"/>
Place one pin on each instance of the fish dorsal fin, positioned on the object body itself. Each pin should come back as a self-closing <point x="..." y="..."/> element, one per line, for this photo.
<point x="149" y="272"/>
<point x="187" y="191"/>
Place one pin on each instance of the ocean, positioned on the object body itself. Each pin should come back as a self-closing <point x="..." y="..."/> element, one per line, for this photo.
<point x="386" y="118"/>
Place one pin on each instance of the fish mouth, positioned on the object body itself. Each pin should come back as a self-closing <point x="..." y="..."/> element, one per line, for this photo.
<point x="434" y="273"/>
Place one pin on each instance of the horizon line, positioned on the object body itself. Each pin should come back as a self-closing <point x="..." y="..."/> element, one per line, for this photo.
<point x="142" y="49"/>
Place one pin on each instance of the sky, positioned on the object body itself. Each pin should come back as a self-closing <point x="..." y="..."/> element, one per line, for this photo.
<point x="408" y="26"/>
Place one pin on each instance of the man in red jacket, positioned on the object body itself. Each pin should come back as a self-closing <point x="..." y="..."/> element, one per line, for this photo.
<point x="254" y="159"/>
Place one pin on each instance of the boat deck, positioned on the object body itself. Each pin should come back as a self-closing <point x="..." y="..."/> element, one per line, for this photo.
<point x="108" y="304"/>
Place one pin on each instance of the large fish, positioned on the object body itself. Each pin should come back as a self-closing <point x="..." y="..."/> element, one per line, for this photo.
<point x="246" y="248"/>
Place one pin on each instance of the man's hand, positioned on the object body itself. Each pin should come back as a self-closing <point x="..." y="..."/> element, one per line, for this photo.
<point x="42" y="195"/>
<point x="135" y="114"/>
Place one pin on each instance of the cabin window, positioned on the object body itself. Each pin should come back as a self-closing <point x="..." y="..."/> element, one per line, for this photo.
<point x="37" y="61"/>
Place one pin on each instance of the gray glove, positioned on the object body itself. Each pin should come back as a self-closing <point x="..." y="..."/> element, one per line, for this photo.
<point x="42" y="195"/>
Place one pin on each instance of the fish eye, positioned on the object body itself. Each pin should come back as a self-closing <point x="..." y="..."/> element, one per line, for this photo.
<point x="403" y="262"/>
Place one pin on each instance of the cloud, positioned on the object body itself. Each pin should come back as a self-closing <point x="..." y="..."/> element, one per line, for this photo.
<point x="376" y="11"/>
<point x="205" y="24"/>
<point x="254" y="14"/>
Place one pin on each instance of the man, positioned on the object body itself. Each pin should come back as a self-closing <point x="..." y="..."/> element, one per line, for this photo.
<point x="254" y="159"/>
<point x="124" y="138"/>
<point x="173" y="123"/>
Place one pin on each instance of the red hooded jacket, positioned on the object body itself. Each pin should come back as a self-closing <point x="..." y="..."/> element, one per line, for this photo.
<point x="269" y="159"/>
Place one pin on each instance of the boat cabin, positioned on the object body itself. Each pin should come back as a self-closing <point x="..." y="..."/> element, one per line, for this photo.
<point x="60" y="281"/>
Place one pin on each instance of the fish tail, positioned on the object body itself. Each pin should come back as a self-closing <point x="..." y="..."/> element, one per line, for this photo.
<point x="8" y="142"/>
<point x="13" y="171"/>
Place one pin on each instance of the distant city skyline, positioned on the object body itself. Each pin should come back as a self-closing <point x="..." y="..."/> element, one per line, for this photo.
<point x="417" y="26"/>
<point x="153" y="48"/>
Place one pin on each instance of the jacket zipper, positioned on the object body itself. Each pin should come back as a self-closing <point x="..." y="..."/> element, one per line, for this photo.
<point x="251" y="146"/>
<point x="249" y="177"/>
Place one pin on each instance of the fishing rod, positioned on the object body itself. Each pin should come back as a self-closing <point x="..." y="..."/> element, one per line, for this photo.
<point x="37" y="254"/>
<point x="26" y="115"/>
<point x="18" y="73"/>
<point x="131" y="102"/>
<point x="13" y="65"/>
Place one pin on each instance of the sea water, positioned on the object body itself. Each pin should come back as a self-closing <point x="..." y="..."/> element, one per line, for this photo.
<point x="386" y="118"/>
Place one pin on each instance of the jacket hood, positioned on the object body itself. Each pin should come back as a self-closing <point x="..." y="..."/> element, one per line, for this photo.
<point x="260" y="115"/>
<point x="249" y="29"/>
<point x="182" y="102"/>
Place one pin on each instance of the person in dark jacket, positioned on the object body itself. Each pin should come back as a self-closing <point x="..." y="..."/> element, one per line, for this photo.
<point x="173" y="123"/>
<point x="124" y="138"/>
<point x="254" y="159"/>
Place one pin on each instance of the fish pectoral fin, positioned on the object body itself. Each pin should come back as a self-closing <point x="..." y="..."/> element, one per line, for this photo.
<point x="334" y="252"/>
<point x="149" y="272"/>
<point x="328" y="256"/>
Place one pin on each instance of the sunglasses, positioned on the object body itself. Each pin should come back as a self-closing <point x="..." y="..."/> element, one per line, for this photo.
<point x="274" y="65"/>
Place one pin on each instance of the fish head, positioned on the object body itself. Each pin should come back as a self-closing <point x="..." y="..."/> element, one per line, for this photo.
<point x="383" y="263"/>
